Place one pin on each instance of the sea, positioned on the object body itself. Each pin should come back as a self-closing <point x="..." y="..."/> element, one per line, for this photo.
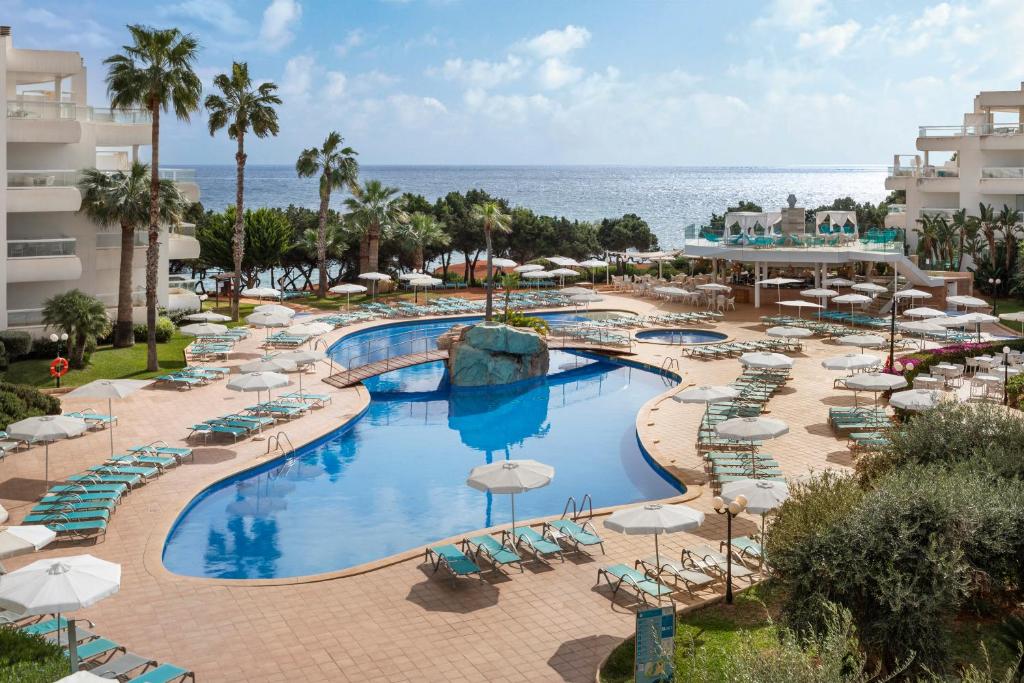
<point x="668" y="198"/>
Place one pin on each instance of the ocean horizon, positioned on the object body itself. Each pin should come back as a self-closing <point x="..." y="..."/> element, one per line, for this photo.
<point x="667" y="197"/>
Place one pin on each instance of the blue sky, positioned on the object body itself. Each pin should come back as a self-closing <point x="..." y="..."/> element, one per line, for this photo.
<point x="573" y="82"/>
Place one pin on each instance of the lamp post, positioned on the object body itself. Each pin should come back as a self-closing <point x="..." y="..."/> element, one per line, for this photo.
<point x="994" y="284"/>
<point x="892" y="317"/>
<point x="57" y="340"/>
<point x="1006" y="374"/>
<point x="730" y="510"/>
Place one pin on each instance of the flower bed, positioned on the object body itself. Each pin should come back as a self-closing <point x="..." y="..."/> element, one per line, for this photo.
<point x="922" y="361"/>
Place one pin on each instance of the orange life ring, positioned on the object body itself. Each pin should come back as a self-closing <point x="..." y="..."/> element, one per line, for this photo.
<point x="59" y="367"/>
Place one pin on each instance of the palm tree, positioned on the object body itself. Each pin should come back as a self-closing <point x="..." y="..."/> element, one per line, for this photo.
<point x="156" y="72"/>
<point x="338" y="168"/>
<point x="81" y="316"/>
<point x="375" y="208"/>
<point x="987" y="225"/>
<point x="492" y="218"/>
<point x="122" y="199"/>
<point x="241" y="108"/>
<point x="1009" y="222"/>
<point x="962" y="226"/>
<point x="423" y="231"/>
<point x="926" y="245"/>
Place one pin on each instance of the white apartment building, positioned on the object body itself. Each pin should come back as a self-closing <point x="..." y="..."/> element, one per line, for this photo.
<point x="48" y="133"/>
<point x="980" y="161"/>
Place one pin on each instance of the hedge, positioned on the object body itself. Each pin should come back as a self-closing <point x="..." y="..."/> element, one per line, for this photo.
<point x="18" y="401"/>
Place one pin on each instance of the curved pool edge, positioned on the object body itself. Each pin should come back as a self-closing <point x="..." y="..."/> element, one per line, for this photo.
<point x="640" y="340"/>
<point x="656" y="458"/>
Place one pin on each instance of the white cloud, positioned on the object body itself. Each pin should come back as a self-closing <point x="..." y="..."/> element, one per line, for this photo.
<point x="833" y="40"/>
<point x="218" y="13"/>
<point x="506" y="108"/>
<point x="279" y="21"/>
<point x="479" y="73"/>
<point x="334" y="87"/>
<point x="794" y="14"/>
<point x="556" y="43"/>
<point x="372" y="81"/>
<point x="87" y="32"/>
<point x="353" y="39"/>
<point x="413" y="110"/>
<point x="554" y="74"/>
<point x="298" y="76"/>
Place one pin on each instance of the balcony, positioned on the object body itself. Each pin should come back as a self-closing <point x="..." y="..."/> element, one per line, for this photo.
<point x="185" y="179"/>
<point x="121" y="127"/>
<point x="42" y="260"/>
<point x="30" y="120"/>
<point x="181" y="242"/>
<point x="35" y="191"/>
<point x="1002" y="180"/>
<point x="936" y="212"/>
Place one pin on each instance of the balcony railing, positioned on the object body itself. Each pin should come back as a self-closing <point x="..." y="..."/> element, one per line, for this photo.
<point x="42" y="178"/>
<point x="897" y="208"/>
<point x="889" y="240"/>
<point x="128" y="116"/>
<point x="1002" y="172"/>
<point x="41" y="248"/>
<point x="179" y="175"/>
<point x="186" y="229"/>
<point x="23" y="317"/>
<point x="69" y="111"/>
<point x="947" y="213"/>
<point x="924" y="172"/>
<point x="960" y="131"/>
<point x="902" y="171"/>
<point x="112" y="240"/>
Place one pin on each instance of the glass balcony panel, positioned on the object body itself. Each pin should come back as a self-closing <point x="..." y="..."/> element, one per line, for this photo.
<point x="41" y="248"/>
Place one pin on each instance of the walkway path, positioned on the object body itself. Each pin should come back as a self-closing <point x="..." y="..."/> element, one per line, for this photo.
<point x="394" y="623"/>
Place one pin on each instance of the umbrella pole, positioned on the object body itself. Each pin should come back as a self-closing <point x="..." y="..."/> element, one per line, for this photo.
<point x="72" y="643"/>
<point x="110" y="412"/>
<point x="657" y="561"/>
<point x="47" y="465"/>
<point x="512" y="544"/>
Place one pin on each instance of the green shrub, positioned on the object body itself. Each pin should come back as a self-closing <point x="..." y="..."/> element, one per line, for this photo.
<point x="986" y="436"/>
<point x="517" y="319"/>
<point x="16" y="342"/>
<point x="904" y="559"/>
<point x="18" y="401"/>
<point x="46" y="670"/>
<point x="164" y="331"/>
<point x="47" y="350"/>
<point x="4" y="363"/>
<point x="18" y="646"/>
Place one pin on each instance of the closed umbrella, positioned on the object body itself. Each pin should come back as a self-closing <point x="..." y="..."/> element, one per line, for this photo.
<point x="275" y="309"/>
<point x="203" y="329"/>
<point x="915" y="399"/>
<point x="766" y="360"/>
<point x="511" y="477"/>
<point x="110" y="389"/>
<point x="876" y="382"/>
<point x="374" y="277"/>
<point x="789" y="332"/>
<point x="851" y="362"/>
<point x="348" y="289"/>
<point x="46" y="428"/>
<point x="207" y="317"/>
<point x="654" y="519"/>
<point x="59" y="585"/>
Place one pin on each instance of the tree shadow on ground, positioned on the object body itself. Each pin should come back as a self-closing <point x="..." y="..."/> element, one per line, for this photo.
<point x="437" y="593"/>
<point x="21" y="488"/>
<point x="211" y="456"/>
<point x="843" y="457"/>
<point x="576" y="660"/>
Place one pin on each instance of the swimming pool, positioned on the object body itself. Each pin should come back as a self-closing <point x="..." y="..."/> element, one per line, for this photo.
<point x="681" y="336"/>
<point x="394" y="478"/>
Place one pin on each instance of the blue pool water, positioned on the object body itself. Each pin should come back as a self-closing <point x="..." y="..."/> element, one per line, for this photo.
<point x="394" y="479"/>
<point x="681" y="336"/>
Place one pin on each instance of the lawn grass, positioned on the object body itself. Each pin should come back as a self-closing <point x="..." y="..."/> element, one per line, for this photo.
<point x="714" y="630"/>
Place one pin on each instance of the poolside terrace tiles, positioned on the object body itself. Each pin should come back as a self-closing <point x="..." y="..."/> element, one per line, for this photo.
<point x="394" y="622"/>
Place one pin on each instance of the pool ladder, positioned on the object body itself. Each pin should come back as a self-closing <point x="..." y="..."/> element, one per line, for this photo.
<point x="670" y="363"/>
<point x="275" y="442"/>
<point x="586" y="503"/>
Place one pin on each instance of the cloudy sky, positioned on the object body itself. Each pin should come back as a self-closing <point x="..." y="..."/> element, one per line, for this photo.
<point x="574" y="82"/>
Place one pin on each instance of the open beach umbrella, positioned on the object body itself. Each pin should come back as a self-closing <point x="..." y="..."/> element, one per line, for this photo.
<point x="272" y="364"/>
<point x="777" y="282"/>
<point x="670" y="291"/>
<point x="924" y="312"/>
<point x="593" y="264"/>
<point x="110" y="389"/>
<point x="851" y="362"/>
<point x="766" y="360"/>
<point x="912" y="294"/>
<point x="976" y="319"/>
<point x="762" y="496"/>
<point x="312" y="328"/>
<point x="275" y="309"/>
<point x="59" y="585"/>
<point x="268" y="320"/>
<point x="800" y="305"/>
<point x="707" y="394"/>
<point x="922" y="327"/>
<point x="714" y="287"/>
<point x="374" y="277"/>
<point x="870" y="287"/>
<point x="302" y="359"/>
<point x="414" y="275"/>
<point x="425" y="282"/>
<point x="862" y="341"/>
<point x="258" y="382"/>
<point x="837" y="282"/>
<point x="83" y="677"/>
<point x="967" y="301"/>
<point x="751" y="428"/>
<point x="573" y="291"/>
<point x="563" y="261"/>
<point x="586" y="299"/>
<point x="563" y="273"/>
<point x="876" y="382"/>
<point x="915" y="400"/>
<point x="203" y="329"/>
<point x="348" y="289"/>
<point x="207" y="317"/>
<point x="19" y="540"/>
<point x="852" y="299"/>
<point x="528" y="268"/>
<point x="536" y="275"/>
<point x="46" y="428"/>
<point x="261" y="293"/>
<point x="819" y="293"/>
<point x="654" y="518"/>
<point x="499" y="262"/>
<point x="511" y="477"/>
<point x="788" y="332"/>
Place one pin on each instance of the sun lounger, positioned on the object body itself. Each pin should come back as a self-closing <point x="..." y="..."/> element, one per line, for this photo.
<point x="207" y="429"/>
<point x="619" y="575"/>
<point x="579" y="536"/>
<point x="82" y="635"/>
<point x="165" y="673"/>
<point x="96" y="648"/>
<point x="160" y="448"/>
<point x="131" y="480"/>
<point x="47" y="516"/>
<point x="452" y="559"/>
<point x="746" y="550"/>
<point x="83" y="529"/>
<point x="314" y="399"/>
<point x="538" y="546"/>
<point x="121" y="666"/>
<point x="94" y="420"/>
<point x="70" y="505"/>
<point x="145" y="472"/>
<point x="704" y="558"/>
<point x="493" y="551"/>
<point x="114" y="488"/>
<point x="41" y="628"/>
<point x="681" y="575"/>
<point x="183" y="381"/>
<point x="161" y="461"/>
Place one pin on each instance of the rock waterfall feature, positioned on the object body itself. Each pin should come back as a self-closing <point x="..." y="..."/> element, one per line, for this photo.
<point x="493" y="353"/>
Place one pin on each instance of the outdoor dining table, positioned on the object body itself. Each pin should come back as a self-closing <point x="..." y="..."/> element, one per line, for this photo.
<point x="926" y="382"/>
<point x="947" y="371"/>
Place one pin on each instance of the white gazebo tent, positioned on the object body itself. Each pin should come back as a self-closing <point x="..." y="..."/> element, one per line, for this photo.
<point x="835" y="217"/>
<point x="748" y="222"/>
